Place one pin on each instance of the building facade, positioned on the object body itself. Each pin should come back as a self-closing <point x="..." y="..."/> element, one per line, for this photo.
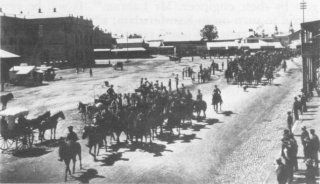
<point x="58" y="41"/>
<point x="310" y="40"/>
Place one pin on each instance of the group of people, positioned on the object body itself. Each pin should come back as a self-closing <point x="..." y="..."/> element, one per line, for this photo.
<point x="288" y="163"/>
<point x="252" y="68"/>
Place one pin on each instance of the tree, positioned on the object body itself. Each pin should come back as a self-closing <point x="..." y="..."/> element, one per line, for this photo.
<point x="209" y="32"/>
<point x="134" y="36"/>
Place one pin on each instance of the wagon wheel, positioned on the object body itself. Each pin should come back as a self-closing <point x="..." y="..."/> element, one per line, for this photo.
<point x="5" y="144"/>
<point x="24" y="142"/>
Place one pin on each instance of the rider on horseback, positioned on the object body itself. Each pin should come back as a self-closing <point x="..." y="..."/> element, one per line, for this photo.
<point x="111" y="92"/>
<point x="199" y="95"/>
<point x="72" y="137"/>
<point x="216" y="90"/>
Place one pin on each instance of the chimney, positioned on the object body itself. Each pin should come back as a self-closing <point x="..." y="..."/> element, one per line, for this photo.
<point x="39" y="10"/>
<point x="54" y="10"/>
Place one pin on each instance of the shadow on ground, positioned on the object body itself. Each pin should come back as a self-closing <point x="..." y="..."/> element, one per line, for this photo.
<point x="31" y="152"/>
<point x="86" y="176"/>
<point x="49" y="143"/>
<point x="154" y="148"/>
<point x="112" y="158"/>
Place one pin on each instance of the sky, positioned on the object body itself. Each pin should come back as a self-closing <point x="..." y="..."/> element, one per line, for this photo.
<point x="151" y="18"/>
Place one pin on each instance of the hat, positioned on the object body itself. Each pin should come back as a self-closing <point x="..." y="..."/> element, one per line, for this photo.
<point x="304" y="128"/>
<point x="289" y="112"/>
<point x="70" y="127"/>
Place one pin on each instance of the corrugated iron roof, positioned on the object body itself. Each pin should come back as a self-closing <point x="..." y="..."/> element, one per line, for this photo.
<point x="6" y="54"/>
<point x="22" y="70"/>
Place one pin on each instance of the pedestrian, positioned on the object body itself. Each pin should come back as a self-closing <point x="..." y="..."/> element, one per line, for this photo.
<point x="222" y="66"/>
<point x="314" y="143"/>
<point x="295" y="108"/>
<point x="282" y="172"/>
<point x="300" y="104"/>
<point x="304" y="102"/>
<point x="177" y="81"/>
<point x="90" y="71"/>
<point x="309" y="149"/>
<point x="141" y="82"/>
<point x="311" y="172"/>
<point x="169" y="85"/>
<point x="182" y="73"/>
<point x="289" y="121"/>
<point x="304" y="136"/>
<point x="200" y="67"/>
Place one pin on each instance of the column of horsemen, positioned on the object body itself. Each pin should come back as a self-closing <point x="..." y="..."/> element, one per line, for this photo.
<point x="154" y="107"/>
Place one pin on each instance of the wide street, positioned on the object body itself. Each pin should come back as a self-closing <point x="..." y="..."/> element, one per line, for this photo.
<point x="234" y="145"/>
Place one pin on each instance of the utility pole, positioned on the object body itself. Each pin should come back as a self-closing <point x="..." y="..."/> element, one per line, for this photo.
<point x="303" y="6"/>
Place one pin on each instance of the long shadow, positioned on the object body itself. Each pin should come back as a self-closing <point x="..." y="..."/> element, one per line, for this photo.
<point x="153" y="148"/>
<point x="31" y="152"/>
<point x="86" y="176"/>
<point x="109" y="160"/>
<point x="171" y="138"/>
<point x="49" y="143"/>
<point x="198" y="127"/>
<point x="277" y="84"/>
<point x="212" y="121"/>
<point x="227" y="113"/>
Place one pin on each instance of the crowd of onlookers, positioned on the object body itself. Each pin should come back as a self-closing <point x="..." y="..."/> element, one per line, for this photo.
<point x="288" y="163"/>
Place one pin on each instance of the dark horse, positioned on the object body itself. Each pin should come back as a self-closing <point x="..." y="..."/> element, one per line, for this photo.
<point x="95" y="139"/>
<point x="5" y="99"/>
<point x="50" y="123"/>
<point x="36" y="122"/>
<point x="216" y="100"/>
<point x="200" y="106"/>
<point x="68" y="151"/>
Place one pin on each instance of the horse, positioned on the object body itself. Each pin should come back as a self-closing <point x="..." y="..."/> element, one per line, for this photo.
<point x="95" y="139"/>
<point x="200" y="106"/>
<point x="34" y="123"/>
<point x="5" y="99"/>
<point x="50" y="123"/>
<point x="216" y="100"/>
<point x="68" y="151"/>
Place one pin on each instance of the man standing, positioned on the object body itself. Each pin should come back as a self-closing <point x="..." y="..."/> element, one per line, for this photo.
<point x="169" y="85"/>
<point x="282" y="173"/>
<point x="314" y="143"/>
<point x="90" y="71"/>
<point x="295" y="108"/>
<point x="177" y="81"/>
<point x="304" y="136"/>
<point x="290" y="121"/>
<point x="199" y="95"/>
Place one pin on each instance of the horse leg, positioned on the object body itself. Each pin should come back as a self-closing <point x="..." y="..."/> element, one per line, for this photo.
<point x="67" y="162"/>
<point x="74" y="165"/>
<point x="79" y="154"/>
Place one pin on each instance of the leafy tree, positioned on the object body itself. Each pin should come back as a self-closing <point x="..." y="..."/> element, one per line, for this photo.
<point x="209" y="32"/>
<point x="134" y="36"/>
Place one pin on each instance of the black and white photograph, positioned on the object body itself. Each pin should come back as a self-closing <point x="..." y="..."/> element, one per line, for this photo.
<point x="160" y="91"/>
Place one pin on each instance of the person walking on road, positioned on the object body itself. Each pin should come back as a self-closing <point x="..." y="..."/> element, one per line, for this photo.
<point x="169" y="85"/>
<point x="290" y="121"/>
<point x="304" y="136"/>
<point x="314" y="143"/>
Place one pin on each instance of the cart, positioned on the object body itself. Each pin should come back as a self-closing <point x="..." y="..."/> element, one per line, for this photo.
<point x="14" y="135"/>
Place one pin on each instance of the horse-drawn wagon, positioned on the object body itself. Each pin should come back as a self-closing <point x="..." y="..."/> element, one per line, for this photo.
<point x="14" y="133"/>
<point x="118" y="65"/>
<point x="48" y="72"/>
<point x="175" y="58"/>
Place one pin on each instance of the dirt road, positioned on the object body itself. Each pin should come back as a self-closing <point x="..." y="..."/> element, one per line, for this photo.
<point x="234" y="146"/>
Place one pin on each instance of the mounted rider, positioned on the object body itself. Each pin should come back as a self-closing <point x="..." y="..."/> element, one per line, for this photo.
<point x="216" y="90"/>
<point x="111" y="92"/>
<point x="72" y="137"/>
<point x="199" y="95"/>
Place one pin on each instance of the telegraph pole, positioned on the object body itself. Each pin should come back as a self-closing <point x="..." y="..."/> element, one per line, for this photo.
<point x="303" y="6"/>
